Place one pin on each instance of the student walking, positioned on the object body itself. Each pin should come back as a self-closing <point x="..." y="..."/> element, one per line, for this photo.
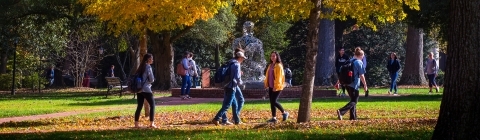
<point x="288" y="75"/>
<point x="231" y="88"/>
<point x="193" y="70"/>
<point x="274" y="81"/>
<point x="145" y="70"/>
<point x="339" y="61"/>
<point x="393" y="66"/>
<point x="352" y="89"/>
<point x="431" y="70"/>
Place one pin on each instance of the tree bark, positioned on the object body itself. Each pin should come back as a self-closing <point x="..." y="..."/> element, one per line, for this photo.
<point x="3" y="63"/>
<point x="460" y="108"/>
<point x="310" y="61"/>
<point x="413" y="73"/>
<point x="326" y="53"/>
<point x="163" y="63"/>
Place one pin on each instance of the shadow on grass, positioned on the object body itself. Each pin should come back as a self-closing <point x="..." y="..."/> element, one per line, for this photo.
<point x="217" y="134"/>
<point x="119" y="101"/>
<point x="24" y="124"/>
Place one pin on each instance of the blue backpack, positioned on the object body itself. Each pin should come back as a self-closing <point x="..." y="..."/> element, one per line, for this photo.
<point x="222" y="73"/>
<point x="135" y="83"/>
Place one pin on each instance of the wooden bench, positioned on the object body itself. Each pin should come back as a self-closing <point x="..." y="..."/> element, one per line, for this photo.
<point x="115" y="82"/>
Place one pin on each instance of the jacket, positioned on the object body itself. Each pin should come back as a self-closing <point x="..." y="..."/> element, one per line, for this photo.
<point x="279" y="77"/>
<point x="394" y="66"/>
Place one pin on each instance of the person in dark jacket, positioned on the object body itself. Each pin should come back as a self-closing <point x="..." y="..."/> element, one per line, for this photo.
<point x="393" y="66"/>
<point x="339" y="61"/>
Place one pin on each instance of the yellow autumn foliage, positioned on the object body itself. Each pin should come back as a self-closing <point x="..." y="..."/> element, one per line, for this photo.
<point x="361" y="10"/>
<point x="155" y="15"/>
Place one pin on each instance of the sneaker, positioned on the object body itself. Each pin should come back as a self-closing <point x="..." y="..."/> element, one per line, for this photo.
<point x="395" y="94"/>
<point x="272" y="120"/>
<point x="429" y="92"/>
<point x="436" y="89"/>
<point x="227" y="123"/>
<point x="339" y="115"/>
<point x="239" y="123"/>
<point x="285" y="116"/>
<point x="216" y="122"/>
<point x="343" y="95"/>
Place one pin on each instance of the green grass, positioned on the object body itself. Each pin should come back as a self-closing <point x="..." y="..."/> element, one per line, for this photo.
<point x="389" y="117"/>
<point x="35" y="104"/>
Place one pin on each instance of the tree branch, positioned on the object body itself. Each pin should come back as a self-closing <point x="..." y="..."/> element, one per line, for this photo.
<point x="182" y="32"/>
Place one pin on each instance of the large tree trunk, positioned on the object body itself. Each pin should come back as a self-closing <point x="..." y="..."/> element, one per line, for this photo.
<point x="326" y="53"/>
<point x="310" y="61"/>
<point x="163" y="63"/>
<point x="413" y="73"/>
<point x="459" y="116"/>
<point x="3" y="63"/>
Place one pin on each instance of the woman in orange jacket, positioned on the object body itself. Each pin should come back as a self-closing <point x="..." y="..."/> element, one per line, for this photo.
<point x="275" y="82"/>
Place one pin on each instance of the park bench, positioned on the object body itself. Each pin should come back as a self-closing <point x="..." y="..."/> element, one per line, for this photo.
<point x="115" y="82"/>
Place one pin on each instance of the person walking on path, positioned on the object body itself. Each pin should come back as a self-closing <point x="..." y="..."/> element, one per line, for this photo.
<point x="274" y="81"/>
<point x="231" y="88"/>
<point x="393" y="66"/>
<point x="186" y="82"/>
<point x="431" y="70"/>
<point x="145" y="70"/>
<point x="339" y="61"/>
<point x="352" y="89"/>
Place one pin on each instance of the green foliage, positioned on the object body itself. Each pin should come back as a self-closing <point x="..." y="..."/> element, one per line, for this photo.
<point x="294" y="54"/>
<point x="34" y="81"/>
<point x="6" y="83"/>
<point x="272" y="34"/>
<point x="377" y="46"/>
<point x="440" y="77"/>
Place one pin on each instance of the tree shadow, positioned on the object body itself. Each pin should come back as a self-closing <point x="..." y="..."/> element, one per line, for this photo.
<point x="24" y="124"/>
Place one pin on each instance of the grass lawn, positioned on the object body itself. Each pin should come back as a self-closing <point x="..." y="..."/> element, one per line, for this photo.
<point x="392" y="117"/>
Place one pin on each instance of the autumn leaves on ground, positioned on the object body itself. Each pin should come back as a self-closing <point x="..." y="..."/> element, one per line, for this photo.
<point x="411" y="116"/>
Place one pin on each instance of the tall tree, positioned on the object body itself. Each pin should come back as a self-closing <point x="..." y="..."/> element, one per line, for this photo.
<point x="460" y="108"/>
<point x="162" y="21"/>
<point x="384" y="11"/>
<point x="413" y="73"/>
<point x="326" y="52"/>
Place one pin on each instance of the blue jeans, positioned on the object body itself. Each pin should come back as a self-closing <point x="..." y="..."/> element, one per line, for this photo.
<point x="289" y="81"/>
<point x="186" y="84"/>
<point x="51" y="82"/>
<point x="393" y="81"/>
<point x="237" y="106"/>
<point x="194" y="81"/>
<point x="228" y="100"/>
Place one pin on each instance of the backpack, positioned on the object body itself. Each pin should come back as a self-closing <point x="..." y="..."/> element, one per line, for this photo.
<point x="180" y="70"/>
<point x="222" y="74"/>
<point x="288" y="73"/>
<point x="345" y="75"/>
<point x="135" y="83"/>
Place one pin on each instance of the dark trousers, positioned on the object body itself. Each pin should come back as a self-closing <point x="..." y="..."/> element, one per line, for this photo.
<point x="352" y="105"/>
<point x="431" y="80"/>
<point x="273" y="101"/>
<point x="140" y="100"/>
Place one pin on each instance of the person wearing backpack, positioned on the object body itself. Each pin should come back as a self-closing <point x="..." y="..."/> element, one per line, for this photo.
<point x="358" y="72"/>
<point x="339" y="61"/>
<point x="145" y="70"/>
<point x="193" y="70"/>
<point x="274" y="81"/>
<point x="393" y="66"/>
<point x="431" y="70"/>
<point x="288" y="75"/>
<point x="186" y="81"/>
<point x="232" y="96"/>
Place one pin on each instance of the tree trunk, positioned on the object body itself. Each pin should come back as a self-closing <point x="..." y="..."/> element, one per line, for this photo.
<point x="460" y="108"/>
<point x="3" y="63"/>
<point x="310" y="61"/>
<point x="163" y="61"/>
<point x="326" y="53"/>
<point x="142" y="51"/>
<point x="413" y="73"/>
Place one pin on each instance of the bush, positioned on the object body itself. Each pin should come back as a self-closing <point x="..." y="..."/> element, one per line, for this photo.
<point x="440" y="77"/>
<point x="33" y="81"/>
<point x="6" y="83"/>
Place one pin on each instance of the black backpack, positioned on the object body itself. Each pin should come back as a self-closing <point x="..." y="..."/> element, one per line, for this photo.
<point x="288" y="73"/>
<point x="346" y="73"/>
